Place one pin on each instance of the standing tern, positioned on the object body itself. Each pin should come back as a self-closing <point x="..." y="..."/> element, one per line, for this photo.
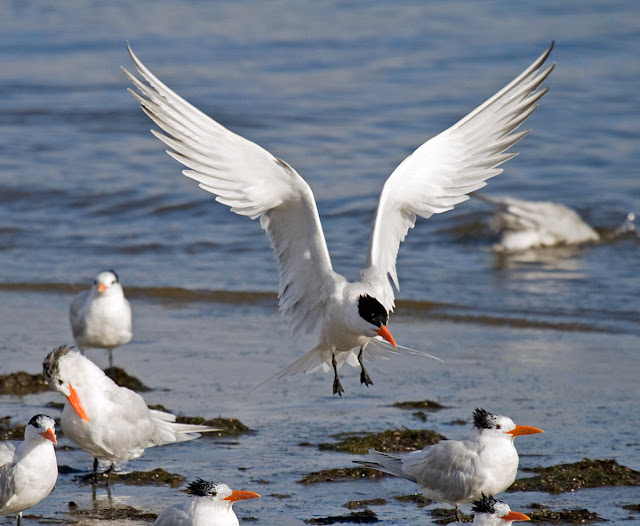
<point x="458" y="472"/>
<point x="111" y="423"/>
<point x="28" y="472"/>
<point x="491" y="512"/>
<point x="101" y="316"/>
<point x="211" y="505"/>
<point x="433" y="179"/>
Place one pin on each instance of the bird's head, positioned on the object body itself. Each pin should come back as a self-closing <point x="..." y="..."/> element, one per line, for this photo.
<point x="218" y="492"/>
<point x="491" y="512"/>
<point x="106" y="281"/>
<point x="376" y="316"/>
<point x="55" y="369"/>
<point x="43" y="425"/>
<point x="498" y="424"/>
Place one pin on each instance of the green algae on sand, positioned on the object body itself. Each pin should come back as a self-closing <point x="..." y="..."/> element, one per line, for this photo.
<point x="584" y="474"/>
<point x="356" y="504"/>
<point x="124" y="379"/>
<point x="417" y="498"/>
<point x="403" y="440"/>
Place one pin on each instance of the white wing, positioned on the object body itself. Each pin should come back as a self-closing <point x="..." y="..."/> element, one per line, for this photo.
<point x="254" y="183"/>
<point x="441" y="172"/>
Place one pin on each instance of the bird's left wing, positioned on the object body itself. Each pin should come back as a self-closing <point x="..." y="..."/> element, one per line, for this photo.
<point x="254" y="183"/>
<point x="441" y="172"/>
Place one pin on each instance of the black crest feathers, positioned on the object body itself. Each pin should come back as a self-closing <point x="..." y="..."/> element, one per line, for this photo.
<point x="203" y="488"/>
<point x="483" y="419"/>
<point x="371" y="310"/>
<point x="487" y="504"/>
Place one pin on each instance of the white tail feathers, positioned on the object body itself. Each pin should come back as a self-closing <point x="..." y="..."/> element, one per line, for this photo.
<point x="169" y="431"/>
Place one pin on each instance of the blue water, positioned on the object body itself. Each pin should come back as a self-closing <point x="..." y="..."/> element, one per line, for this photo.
<point x="343" y="91"/>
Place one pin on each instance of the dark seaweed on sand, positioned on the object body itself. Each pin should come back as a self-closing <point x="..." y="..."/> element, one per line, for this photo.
<point x="356" y="517"/>
<point x="403" y="440"/>
<point x="21" y="383"/>
<point x="157" y="477"/>
<point x="584" y="474"/>
<point x="341" y="475"/>
<point x="544" y="514"/>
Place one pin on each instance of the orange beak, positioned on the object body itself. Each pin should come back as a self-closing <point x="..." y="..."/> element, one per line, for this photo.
<point x="102" y="287"/>
<point x="515" y="516"/>
<point x="524" y="430"/>
<point x="75" y="402"/>
<point x="50" y="435"/>
<point x="384" y="332"/>
<point x="241" y="495"/>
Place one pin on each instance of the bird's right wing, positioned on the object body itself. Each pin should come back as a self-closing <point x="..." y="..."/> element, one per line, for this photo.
<point x="444" y="170"/>
<point x="253" y="183"/>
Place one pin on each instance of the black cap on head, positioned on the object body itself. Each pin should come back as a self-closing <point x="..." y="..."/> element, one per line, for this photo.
<point x="371" y="310"/>
<point x="487" y="504"/>
<point x="203" y="488"/>
<point x="51" y="366"/>
<point x="483" y="419"/>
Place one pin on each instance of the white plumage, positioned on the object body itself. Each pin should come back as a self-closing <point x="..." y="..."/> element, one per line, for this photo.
<point x="525" y="225"/>
<point x="101" y="316"/>
<point x="458" y="472"/>
<point x="254" y="183"/>
<point x="209" y="504"/>
<point x="28" y="471"/>
<point x="111" y="423"/>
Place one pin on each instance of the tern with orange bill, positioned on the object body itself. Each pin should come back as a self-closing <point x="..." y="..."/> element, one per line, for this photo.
<point x="101" y="316"/>
<point x="111" y="423"/>
<point x="492" y="512"/>
<point x="29" y="470"/>
<point x="351" y="317"/>
<point x="208" y="504"/>
<point x="458" y="472"/>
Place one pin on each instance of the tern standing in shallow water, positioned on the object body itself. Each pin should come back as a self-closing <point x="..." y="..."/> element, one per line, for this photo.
<point x="491" y="512"/>
<point x="28" y="472"/>
<point x="111" y="423"/>
<point x="254" y="183"/>
<point x="101" y="316"/>
<point x="457" y="472"/>
<point x="210" y="504"/>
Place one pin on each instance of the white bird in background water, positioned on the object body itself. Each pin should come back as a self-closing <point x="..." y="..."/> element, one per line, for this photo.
<point x="458" y="472"/>
<point x="101" y="316"/>
<point x="491" y="512"/>
<point x="111" y="423"/>
<point x="250" y="180"/>
<point x="209" y="504"/>
<point x="28" y="472"/>
<point x="526" y="225"/>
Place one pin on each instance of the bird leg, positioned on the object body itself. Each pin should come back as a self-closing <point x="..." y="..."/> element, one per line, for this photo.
<point x="458" y="514"/>
<point x="108" y="473"/>
<point x="364" y="375"/>
<point x="110" y="358"/>
<point x="95" y="471"/>
<point x="337" y="386"/>
<point x="19" y="518"/>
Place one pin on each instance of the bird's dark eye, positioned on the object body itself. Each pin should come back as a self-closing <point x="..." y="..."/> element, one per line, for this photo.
<point x="498" y="426"/>
<point x="60" y="382"/>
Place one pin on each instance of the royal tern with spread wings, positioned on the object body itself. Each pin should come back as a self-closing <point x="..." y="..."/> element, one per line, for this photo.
<point x="457" y="472"/>
<point x="492" y="512"/>
<point x="111" y="423"/>
<point x="28" y="471"/>
<point x="101" y="316"/>
<point x="433" y="179"/>
<point x="209" y="504"/>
